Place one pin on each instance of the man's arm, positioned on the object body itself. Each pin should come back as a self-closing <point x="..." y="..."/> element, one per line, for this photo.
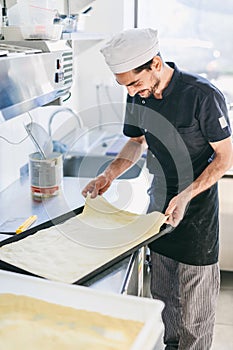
<point x="215" y="170"/>
<point x="128" y="156"/>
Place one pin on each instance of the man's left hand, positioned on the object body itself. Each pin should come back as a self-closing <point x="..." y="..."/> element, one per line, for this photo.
<point x="176" y="208"/>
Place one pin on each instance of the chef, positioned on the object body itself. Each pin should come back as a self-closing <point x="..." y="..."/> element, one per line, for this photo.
<point x="182" y="121"/>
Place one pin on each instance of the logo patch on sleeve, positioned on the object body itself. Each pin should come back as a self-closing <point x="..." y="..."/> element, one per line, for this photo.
<point x="222" y="121"/>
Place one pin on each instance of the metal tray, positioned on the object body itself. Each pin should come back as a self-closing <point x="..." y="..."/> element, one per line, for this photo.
<point x="107" y="264"/>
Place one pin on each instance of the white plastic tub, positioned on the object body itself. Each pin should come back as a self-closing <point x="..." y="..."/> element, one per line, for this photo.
<point x="42" y="32"/>
<point x="144" y="310"/>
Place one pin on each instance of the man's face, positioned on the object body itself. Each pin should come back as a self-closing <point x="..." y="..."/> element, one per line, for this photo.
<point x="144" y="83"/>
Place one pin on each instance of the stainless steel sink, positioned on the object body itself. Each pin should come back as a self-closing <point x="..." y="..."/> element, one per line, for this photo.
<point x="93" y="165"/>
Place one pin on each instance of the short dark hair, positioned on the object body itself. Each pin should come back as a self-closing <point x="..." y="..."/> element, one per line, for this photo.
<point x="146" y="65"/>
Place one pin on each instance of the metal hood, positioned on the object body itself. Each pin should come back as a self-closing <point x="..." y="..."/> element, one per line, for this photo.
<point x="30" y="80"/>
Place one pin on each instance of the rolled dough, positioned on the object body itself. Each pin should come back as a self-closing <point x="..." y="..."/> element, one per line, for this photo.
<point x="103" y="226"/>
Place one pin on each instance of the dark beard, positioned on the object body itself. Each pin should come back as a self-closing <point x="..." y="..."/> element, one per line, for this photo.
<point x="154" y="88"/>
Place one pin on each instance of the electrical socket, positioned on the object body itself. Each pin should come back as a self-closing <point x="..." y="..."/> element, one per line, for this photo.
<point x="98" y="82"/>
<point x="104" y="82"/>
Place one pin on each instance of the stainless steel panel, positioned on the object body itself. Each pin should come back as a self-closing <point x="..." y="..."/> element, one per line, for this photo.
<point x="30" y="81"/>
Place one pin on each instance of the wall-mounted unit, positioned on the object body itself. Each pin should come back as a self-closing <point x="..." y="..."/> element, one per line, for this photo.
<point x="33" y="74"/>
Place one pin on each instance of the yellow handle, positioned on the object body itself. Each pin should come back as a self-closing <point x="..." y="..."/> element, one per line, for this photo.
<point x="26" y="224"/>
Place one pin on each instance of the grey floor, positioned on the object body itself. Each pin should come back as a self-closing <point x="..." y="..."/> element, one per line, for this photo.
<point x="223" y="333"/>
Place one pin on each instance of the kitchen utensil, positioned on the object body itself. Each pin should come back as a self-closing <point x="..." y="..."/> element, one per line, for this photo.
<point x="40" y="138"/>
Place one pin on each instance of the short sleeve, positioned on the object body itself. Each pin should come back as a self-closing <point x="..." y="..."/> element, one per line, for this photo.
<point x="213" y="117"/>
<point x="131" y="122"/>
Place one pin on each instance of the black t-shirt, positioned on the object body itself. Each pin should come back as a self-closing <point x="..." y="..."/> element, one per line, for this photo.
<point x="178" y="129"/>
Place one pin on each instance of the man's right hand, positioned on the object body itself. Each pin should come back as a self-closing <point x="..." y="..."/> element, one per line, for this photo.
<point x="128" y="156"/>
<point x="97" y="186"/>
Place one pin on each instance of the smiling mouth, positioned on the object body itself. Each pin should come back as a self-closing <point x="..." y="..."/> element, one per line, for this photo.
<point x="142" y="91"/>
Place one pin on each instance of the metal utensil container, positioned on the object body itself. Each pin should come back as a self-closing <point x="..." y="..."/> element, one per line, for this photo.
<point x="45" y="175"/>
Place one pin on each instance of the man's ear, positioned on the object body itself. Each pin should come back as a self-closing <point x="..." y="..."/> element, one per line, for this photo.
<point x="157" y="63"/>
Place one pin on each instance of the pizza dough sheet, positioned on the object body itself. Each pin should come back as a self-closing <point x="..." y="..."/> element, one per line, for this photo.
<point x="69" y="251"/>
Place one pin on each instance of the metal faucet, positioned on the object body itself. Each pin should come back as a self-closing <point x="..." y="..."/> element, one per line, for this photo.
<point x="67" y="109"/>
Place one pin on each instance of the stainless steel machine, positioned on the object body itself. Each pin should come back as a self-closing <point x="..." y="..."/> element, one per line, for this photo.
<point x="32" y="74"/>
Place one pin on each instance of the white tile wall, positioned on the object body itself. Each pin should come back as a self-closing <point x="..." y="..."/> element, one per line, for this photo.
<point x="13" y="156"/>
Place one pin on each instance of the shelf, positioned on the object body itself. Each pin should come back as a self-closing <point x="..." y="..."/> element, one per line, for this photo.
<point x="84" y="36"/>
<point x="86" y="40"/>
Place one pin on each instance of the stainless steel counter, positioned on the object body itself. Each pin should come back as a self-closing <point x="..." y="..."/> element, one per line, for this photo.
<point x="17" y="204"/>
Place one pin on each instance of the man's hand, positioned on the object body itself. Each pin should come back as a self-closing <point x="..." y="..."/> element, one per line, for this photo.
<point x="129" y="155"/>
<point x="97" y="186"/>
<point x="176" y="208"/>
<point x="223" y="161"/>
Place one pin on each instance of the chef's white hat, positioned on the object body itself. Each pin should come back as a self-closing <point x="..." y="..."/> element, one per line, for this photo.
<point x="130" y="49"/>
